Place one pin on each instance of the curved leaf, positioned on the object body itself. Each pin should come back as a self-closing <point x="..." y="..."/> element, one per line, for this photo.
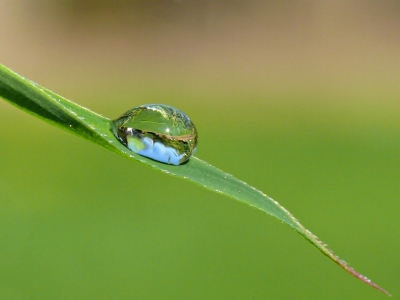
<point x="80" y="121"/>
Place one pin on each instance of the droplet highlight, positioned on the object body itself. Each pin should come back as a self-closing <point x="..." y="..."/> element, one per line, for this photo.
<point x="157" y="131"/>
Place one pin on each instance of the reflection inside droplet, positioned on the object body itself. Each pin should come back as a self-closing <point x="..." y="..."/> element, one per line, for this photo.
<point x="157" y="131"/>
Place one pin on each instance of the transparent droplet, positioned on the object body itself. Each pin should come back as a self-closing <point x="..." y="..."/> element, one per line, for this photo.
<point x="157" y="131"/>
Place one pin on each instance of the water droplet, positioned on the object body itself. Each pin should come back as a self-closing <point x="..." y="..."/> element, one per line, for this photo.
<point x="157" y="131"/>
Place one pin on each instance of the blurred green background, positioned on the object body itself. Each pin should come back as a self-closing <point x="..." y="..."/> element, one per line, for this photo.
<point x="299" y="99"/>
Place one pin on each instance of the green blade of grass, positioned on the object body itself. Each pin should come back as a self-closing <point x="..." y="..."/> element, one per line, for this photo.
<point x="80" y="121"/>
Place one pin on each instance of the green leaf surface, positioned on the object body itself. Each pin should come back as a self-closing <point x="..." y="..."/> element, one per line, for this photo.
<point x="80" y="121"/>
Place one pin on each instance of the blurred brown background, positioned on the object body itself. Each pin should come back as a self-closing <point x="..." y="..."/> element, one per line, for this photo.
<point x="258" y="44"/>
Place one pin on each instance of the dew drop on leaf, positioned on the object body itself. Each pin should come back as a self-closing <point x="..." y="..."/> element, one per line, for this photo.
<point x="157" y="131"/>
